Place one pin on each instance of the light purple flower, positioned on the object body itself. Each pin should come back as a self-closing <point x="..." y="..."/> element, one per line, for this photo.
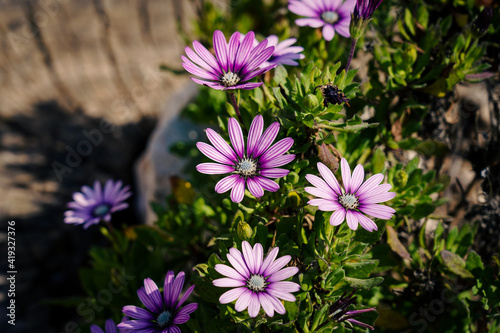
<point x="353" y="200"/>
<point x="252" y="167"/>
<point x="332" y="15"/>
<point x="364" y="8"/>
<point x="163" y="312"/>
<point x="256" y="281"/>
<point x="93" y="205"/>
<point x="110" y="328"/>
<point x="284" y="53"/>
<point x="235" y="63"/>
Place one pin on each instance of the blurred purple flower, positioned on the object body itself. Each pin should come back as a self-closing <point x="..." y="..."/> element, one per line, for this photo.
<point x="163" y="312"/>
<point x="93" y="205"/>
<point x="338" y="311"/>
<point x="235" y="63"/>
<point x="354" y="200"/>
<point x="257" y="281"/>
<point x="253" y="168"/>
<point x="284" y="53"/>
<point x="110" y="327"/>
<point x="332" y="15"/>
<point x="364" y="8"/>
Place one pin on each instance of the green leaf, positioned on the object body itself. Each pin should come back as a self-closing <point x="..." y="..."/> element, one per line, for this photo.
<point x="360" y="269"/>
<point x="423" y="209"/>
<point x="280" y="75"/>
<point x="409" y="21"/>
<point x="395" y="243"/>
<point x="455" y="264"/>
<point x="378" y="161"/>
<point x="364" y="283"/>
<point x="474" y="263"/>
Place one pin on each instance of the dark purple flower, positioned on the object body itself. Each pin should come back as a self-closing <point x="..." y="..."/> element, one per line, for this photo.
<point x="253" y="167"/>
<point x="235" y="62"/>
<point x="163" y="312"/>
<point x="332" y="95"/>
<point x="257" y="281"/>
<point x="332" y="15"/>
<point x="93" y="205"/>
<point x="364" y="8"/>
<point x="483" y="21"/>
<point x="110" y="327"/>
<point x="339" y="313"/>
<point x="354" y="200"/>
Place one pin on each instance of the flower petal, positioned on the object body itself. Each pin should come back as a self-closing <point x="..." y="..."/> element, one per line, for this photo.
<point x="214" y="168"/>
<point x="232" y="295"/>
<point x="207" y="56"/>
<point x="243" y="301"/>
<point x="358" y="176"/>
<point x="283" y="274"/>
<point x="328" y="32"/>
<point x="274" y="173"/>
<point x="311" y="22"/>
<point x="370" y="184"/>
<point x="248" y="255"/>
<point x="266" y="303"/>
<point x="213" y="153"/>
<point x="276" y="150"/>
<point x="266" y="139"/>
<point x="236" y="137"/>
<point x="255" y="188"/>
<point x="220" y="144"/>
<point x="365" y="222"/>
<point x="277" y="265"/>
<point x="137" y="313"/>
<point x="268" y="260"/>
<point x="278" y="161"/>
<point x="346" y="175"/>
<point x="378" y="211"/>
<point x="254" y="306"/>
<point x="254" y="134"/>
<point x="267" y="184"/>
<point x="154" y="294"/>
<point x="287" y="286"/>
<point x="228" y="282"/>
<point x="338" y="217"/>
<point x="236" y="259"/>
<point x="238" y="190"/>
<point x="329" y="177"/>
<point x="226" y="183"/>
<point x="352" y="221"/>
<point x="220" y="46"/>
<point x="229" y="272"/>
<point x="281" y="294"/>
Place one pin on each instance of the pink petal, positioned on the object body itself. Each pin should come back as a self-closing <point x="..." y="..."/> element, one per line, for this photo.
<point x="266" y="139"/>
<point x="228" y="282"/>
<point x="248" y="255"/>
<point x="320" y="193"/>
<point x="365" y="222"/>
<point x="343" y="28"/>
<point x="231" y="295"/>
<point x="278" y="306"/>
<point x="283" y="274"/>
<point x="277" y="265"/>
<point x="378" y="211"/>
<point x="330" y="179"/>
<point x="370" y="184"/>
<point x="236" y="259"/>
<point x="236" y="136"/>
<point x="238" y="190"/>
<point x="214" y="168"/>
<point x="321" y="185"/>
<point x="254" y="134"/>
<point x="352" y="221"/>
<point x="243" y="301"/>
<point x="220" y="46"/>
<point x="268" y="260"/>
<point x="258" y="253"/>
<point x="255" y="188"/>
<point x="278" y="161"/>
<point x="338" y="217"/>
<point x="377" y="198"/>
<point x="213" y="153"/>
<point x="328" y="32"/>
<point x="244" y="51"/>
<point x="234" y="43"/>
<point x="301" y="8"/>
<point x="229" y="272"/>
<point x="221" y="145"/>
<point x="357" y="178"/>
<point x="287" y="286"/>
<point x="274" y="173"/>
<point x="281" y="295"/>
<point x="254" y="306"/>
<point x="276" y="150"/>
<point x="346" y="175"/>
<point x="266" y="303"/>
<point x="207" y="56"/>
<point x="311" y="22"/>
<point x="225" y="184"/>
<point x="267" y="184"/>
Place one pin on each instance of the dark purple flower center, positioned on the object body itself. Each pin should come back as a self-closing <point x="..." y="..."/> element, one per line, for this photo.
<point x="230" y="79"/>
<point x="330" y="17"/>
<point x="256" y="283"/>
<point x="246" y="167"/>
<point x="348" y="201"/>
<point x="101" y="210"/>
<point x="164" y="318"/>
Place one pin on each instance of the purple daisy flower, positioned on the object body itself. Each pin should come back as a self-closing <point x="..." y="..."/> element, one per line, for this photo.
<point x="364" y="8"/>
<point x="332" y="15"/>
<point x="93" y="205"/>
<point x="164" y="310"/>
<point x="352" y="201"/>
<point x="339" y="313"/>
<point x="235" y="63"/>
<point x="110" y="327"/>
<point x="253" y="168"/>
<point x="257" y="281"/>
<point x="284" y="53"/>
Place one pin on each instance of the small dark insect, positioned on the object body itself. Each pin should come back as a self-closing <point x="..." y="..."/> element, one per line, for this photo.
<point x="332" y="94"/>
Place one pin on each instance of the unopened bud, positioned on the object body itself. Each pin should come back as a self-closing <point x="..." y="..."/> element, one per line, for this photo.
<point x="244" y="230"/>
<point x="483" y="21"/>
<point x="310" y="101"/>
<point x="401" y="178"/>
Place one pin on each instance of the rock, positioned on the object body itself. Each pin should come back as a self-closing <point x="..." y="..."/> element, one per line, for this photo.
<point x="153" y="171"/>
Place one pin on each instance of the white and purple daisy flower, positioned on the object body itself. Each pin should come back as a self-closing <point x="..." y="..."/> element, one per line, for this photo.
<point x="257" y="281"/>
<point x="163" y="312"/>
<point x="353" y="200"/>
<point x="93" y="205"/>
<point x="251" y="168"/>
<point x="235" y="63"/>
<point x="332" y="15"/>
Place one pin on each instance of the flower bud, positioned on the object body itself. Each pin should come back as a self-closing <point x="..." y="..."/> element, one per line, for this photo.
<point x="401" y="178"/>
<point x="332" y="95"/>
<point x="310" y="101"/>
<point x="244" y="230"/>
<point x="483" y="21"/>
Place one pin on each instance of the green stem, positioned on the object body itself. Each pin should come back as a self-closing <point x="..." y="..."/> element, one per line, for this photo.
<point x="236" y="107"/>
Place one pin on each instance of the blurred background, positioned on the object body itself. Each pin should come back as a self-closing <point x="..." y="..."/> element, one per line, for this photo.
<point x="80" y="93"/>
